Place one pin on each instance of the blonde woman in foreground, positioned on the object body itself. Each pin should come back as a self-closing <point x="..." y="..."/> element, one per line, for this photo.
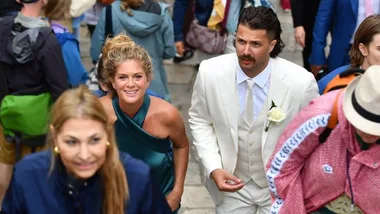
<point x="83" y="172"/>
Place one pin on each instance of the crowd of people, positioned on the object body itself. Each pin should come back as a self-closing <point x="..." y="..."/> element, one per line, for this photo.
<point x="272" y="136"/>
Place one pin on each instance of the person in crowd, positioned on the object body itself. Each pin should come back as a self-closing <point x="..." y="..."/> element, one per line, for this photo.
<point x="303" y="14"/>
<point x="57" y="11"/>
<point x="103" y="81"/>
<point x="92" y="16"/>
<point x="146" y="126"/>
<point x="149" y="24"/>
<point x="75" y="25"/>
<point x="339" y="174"/>
<point x="83" y="171"/>
<point x="342" y="18"/>
<point x="364" y="51"/>
<point x="9" y="7"/>
<point x="238" y="113"/>
<point x="203" y="10"/>
<point x="285" y="5"/>
<point x="30" y="65"/>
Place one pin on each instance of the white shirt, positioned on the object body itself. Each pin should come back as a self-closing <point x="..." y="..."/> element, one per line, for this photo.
<point x="362" y="16"/>
<point x="259" y="91"/>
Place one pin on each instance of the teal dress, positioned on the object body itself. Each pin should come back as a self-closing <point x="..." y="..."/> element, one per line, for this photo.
<point x="131" y="138"/>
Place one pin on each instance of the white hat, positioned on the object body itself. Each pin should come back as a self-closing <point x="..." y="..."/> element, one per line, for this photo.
<point x="361" y="102"/>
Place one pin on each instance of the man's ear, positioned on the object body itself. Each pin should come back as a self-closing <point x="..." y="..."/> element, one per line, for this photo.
<point x="363" y="49"/>
<point x="272" y="45"/>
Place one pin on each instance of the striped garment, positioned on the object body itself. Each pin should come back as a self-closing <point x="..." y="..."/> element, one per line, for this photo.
<point x="304" y="175"/>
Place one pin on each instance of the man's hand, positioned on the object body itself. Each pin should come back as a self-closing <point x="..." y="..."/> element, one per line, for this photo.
<point x="226" y="181"/>
<point x="299" y="35"/>
<point x="316" y="68"/>
<point x="180" y="47"/>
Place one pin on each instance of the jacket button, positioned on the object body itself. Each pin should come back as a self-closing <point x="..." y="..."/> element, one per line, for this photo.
<point x="85" y="184"/>
<point x="70" y="192"/>
<point x="375" y="164"/>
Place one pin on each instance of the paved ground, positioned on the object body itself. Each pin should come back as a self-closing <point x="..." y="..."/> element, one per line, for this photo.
<point x="196" y="199"/>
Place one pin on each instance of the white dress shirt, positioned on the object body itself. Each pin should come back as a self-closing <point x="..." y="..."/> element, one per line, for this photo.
<point x="259" y="91"/>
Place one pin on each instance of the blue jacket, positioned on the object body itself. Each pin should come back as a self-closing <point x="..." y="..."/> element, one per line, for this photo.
<point x="154" y="32"/>
<point x="34" y="191"/>
<point x="203" y="9"/>
<point x="77" y="73"/>
<point x="339" y="17"/>
<point x="322" y="83"/>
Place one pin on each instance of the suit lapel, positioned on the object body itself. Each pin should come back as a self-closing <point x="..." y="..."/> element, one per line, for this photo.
<point x="227" y="88"/>
<point x="277" y="91"/>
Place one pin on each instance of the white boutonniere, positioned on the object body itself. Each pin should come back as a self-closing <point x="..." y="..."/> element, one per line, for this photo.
<point x="275" y="114"/>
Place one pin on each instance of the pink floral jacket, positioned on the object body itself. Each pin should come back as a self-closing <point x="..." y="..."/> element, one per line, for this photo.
<point x="304" y="174"/>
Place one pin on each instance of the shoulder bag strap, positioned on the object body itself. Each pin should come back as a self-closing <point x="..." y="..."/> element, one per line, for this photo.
<point x="108" y="23"/>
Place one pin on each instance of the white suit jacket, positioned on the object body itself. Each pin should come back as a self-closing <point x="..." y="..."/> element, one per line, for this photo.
<point x="214" y="111"/>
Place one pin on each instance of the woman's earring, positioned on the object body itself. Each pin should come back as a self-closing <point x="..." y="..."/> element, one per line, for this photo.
<point x="108" y="144"/>
<point x="56" y="150"/>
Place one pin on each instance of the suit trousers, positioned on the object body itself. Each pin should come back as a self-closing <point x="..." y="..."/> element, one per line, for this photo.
<point x="251" y="199"/>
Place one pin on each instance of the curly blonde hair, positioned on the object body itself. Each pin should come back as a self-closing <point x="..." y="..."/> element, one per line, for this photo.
<point x="128" y="5"/>
<point x="118" y="50"/>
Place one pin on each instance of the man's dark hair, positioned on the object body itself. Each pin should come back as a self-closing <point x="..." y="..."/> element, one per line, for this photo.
<point x="263" y="18"/>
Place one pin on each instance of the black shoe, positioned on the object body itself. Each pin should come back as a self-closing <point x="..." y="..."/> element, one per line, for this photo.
<point x="188" y="54"/>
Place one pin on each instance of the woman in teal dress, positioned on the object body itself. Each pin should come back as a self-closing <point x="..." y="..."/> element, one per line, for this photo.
<point x="146" y="127"/>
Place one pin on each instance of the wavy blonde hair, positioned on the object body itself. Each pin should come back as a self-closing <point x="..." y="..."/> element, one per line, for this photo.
<point x="118" y="50"/>
<point x="81" y="103"/>
<point x="128" y="5"/>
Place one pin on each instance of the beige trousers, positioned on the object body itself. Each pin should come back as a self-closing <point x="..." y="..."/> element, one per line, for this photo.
<point x="252" y="199"/>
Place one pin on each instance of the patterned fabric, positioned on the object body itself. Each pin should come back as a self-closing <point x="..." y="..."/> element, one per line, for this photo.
<point x="343" y="205"/>
<point x="305" y="175"/>
<point x="217" y="14"/>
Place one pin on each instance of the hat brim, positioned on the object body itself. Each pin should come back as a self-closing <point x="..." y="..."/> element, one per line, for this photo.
<point x="353" y="116"/>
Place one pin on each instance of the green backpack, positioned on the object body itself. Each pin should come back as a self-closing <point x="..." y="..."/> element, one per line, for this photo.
<point x="24" y="118"/>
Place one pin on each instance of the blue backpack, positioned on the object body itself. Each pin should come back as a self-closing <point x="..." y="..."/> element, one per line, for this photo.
<point x="75" y="76"/>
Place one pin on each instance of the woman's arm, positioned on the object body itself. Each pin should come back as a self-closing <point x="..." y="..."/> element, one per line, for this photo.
<point x="168" y="37"/>
<point x="180" y="142"/>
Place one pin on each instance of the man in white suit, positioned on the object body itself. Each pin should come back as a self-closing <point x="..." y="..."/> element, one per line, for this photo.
<point x="235" y="126"/>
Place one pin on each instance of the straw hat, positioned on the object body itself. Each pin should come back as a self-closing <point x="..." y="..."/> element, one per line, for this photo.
<point x="361" y="102"/>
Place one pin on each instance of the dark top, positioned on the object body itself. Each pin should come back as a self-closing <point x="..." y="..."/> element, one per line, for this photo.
<point x="304" y="12"/>
<point x="9" y="6"/>
<point x="32" y="60"/>
<point x="154" y="151"/>
<point x="34" y="191"/>
<point x="203" y="9"/>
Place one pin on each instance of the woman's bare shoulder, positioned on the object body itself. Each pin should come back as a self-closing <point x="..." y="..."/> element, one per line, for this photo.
<point x="106" y="101"/>
<point x="164" y="110"/>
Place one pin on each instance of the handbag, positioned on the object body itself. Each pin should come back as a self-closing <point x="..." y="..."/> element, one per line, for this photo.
<point x="208" y="40"/>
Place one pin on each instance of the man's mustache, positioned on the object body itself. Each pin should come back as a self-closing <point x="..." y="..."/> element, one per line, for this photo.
<point x="246" y="57"/>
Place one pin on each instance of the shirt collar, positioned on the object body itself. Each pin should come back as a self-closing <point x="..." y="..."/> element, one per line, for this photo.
<point x="259" y="80"/>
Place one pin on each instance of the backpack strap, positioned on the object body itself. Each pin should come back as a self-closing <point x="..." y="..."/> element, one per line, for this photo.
<point x="333" y="120"/>
<point x="350" y="71"/>
<point x="108" y="24"/>
<point x="6" y="23"/>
